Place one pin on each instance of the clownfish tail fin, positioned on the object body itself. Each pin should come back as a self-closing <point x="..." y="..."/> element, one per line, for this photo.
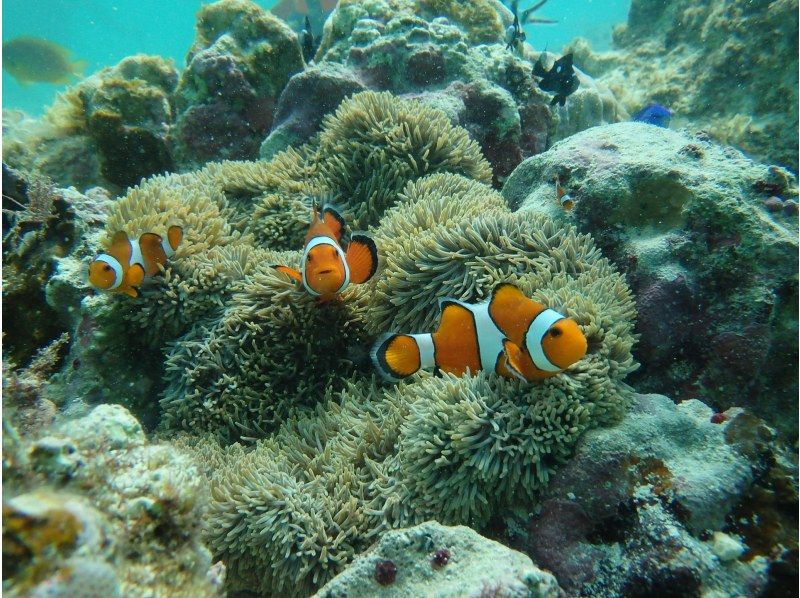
<point x="291" y="272"/>
<point x="395" y="356"/>
<point x="362" y="258"/>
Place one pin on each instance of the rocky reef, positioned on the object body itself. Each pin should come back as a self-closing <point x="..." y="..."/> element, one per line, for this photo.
<point x="451" y="55"/>
<point x="666" y="503"/>
<point x="432" y="559"/>
<point x="245" y="86"/>
<point x="708" y="240"/>
<point x="223" y="433"/>
<point x="91" y="508"/>
<point x="728" y="68"/>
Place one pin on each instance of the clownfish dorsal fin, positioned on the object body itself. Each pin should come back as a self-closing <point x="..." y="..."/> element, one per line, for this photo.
<point x="362" y="258"/>
<point x="514" y="359"/>
<point x="455" y="318"/>
<point x="512" y="312"/>
<point x="334" y="220"/>
<point x="121" y="248"/>
<point x="152" y="252"/>
<point x="174" y="236"/>
<point x="135" y="275"/>
<point x="291" y="272"/>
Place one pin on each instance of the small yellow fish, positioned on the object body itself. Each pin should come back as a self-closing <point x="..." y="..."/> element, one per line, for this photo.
<point x="36" y="60"/>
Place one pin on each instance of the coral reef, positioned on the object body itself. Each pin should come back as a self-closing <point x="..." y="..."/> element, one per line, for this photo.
<point x="92" y="508"/>
<point x="141" y="117"/>
<point x="729" y="68"/>
<point x="109" y="129"/>
<point x="666" y="485"/>
<point x="455" y="449"/>
<point x="449" y="55"/>
<point x="40" y="225"/>
<point x="475" y="566"/>
<point x="714" y="270"/>
<point x="240" y="61"/>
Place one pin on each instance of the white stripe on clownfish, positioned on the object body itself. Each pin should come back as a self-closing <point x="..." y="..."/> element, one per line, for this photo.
<point x="136" y="254"/>
<point x="489" y="337"/>
<point x="533" y="339"/>
<point x="323" y="241"/>
<point x="117" y="267"/>
<point x="427" y="351"/>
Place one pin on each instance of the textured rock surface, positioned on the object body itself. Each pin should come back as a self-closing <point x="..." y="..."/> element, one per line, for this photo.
<point x="237" y="67"/>
<point x="728" y="67"/>
<point x="475" y="566"/>
<point x="110" y="129"/>
<point x="713" y="269"/>
<point x="666" y="486"/>
<point x="94" y="506"/>
<point x="449" y="54"/>
<point x="42" y="225"/>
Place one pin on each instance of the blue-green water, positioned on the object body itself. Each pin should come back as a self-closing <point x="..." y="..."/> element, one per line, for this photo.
<point x="103" y="33"/>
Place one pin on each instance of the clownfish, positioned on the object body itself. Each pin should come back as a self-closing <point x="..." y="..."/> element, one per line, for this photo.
<point x="325" y="268"/>
<point x="563" y="198"/>
<point x="126" y="263"/>
<point x="509" y="334"/>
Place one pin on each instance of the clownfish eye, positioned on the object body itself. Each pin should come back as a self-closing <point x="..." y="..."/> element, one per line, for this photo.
<point x="106" y="268"/>
<point x="555" y="332"/>
<point x="310" y="257"/>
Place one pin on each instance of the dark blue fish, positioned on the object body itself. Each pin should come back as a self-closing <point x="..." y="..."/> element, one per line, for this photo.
<point x="560" y="79"/>
<point x="307" y="41"/>
<point x="654" y="114"/>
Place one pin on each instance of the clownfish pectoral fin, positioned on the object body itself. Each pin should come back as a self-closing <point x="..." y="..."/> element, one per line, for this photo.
<point x="135" y="275"/>
<point x="395" y="356"/>
<point x="174" y="236"/>
<point x="362" y="258"/>
<point x="513" y="359"/>
<point x="131" y="292"/>
<point x="291" y="272"/>
<point x="334" y="220"/>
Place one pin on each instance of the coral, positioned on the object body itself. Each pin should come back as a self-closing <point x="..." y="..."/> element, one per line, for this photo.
<point x="127" y="116"/>
<point x="374" y="143"/>
<point x="713" y="269"/>
<point x="124" y="520"/>
<point x="40" y="225"/>
<point x="110" y="129"/>
<point x="662" y="486"/>
<point x="478" y="566"/>
<point x="456" y="449"/>
<point x="240" y="61"/>
<point x="22" y="388"/>
<point x="322" y="88"/>
<point x="702" y="59"/>
<point x="221" y="383"/>
<point x="444" y="53"/>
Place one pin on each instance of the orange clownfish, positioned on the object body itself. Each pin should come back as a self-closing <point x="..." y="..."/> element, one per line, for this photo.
<point x="563" y="198"/>
<point x="123" y="267"/>
<point x="326" y="269"/>
<point x="509" y="334"/>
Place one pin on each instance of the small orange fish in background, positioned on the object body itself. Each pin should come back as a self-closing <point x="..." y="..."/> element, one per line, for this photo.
<point x="126" y="263"/>
<point x="509" y="334"/>
<point x="326" y="269"/>
<point x="37" y="60"/>
<point x="563" y="198"/>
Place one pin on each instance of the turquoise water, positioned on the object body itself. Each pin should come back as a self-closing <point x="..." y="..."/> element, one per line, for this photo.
<point x="103" y="33"/>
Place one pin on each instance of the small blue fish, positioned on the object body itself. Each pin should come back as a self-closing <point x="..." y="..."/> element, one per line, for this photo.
<point x="654" y="114"/>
